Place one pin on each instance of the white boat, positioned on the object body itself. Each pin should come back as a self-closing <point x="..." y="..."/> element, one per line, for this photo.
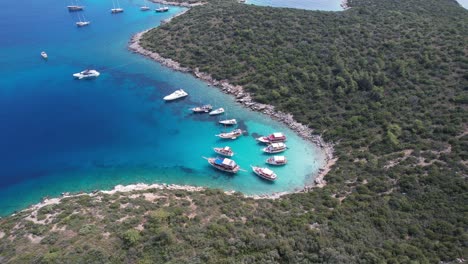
<point x="86" y="74"/>
<point x="44" y="55"/>
<point x="228" y="122"/>
<point x="202" y="109"/>
<point x="116" y="8"/>
<point x="231" y="135"/>
<point x="275" y="148"/>
<point x="75" y="7"/>
<point x="226" y="151"/>
<point x="144" y="8"/>
<point x="175" y="95"/>
<point x="275" y="137"/>
<point x="162" y="9"/>
<point x="217" y="111"/>
<point x="264" y="173"/>
<point x="224" y="164"/>
<point x="82" y="23"/>
<point x="277" y="160"/>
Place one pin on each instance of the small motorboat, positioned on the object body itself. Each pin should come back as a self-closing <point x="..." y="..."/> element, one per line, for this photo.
<point x="224" y="164"/>
<point x="86" y="74"/>
<point x="162" y="9"/>
<point x="82" y="23"/>
<point x="264" y="173"/>
<point x="226" y="151"/>
<point x="44" y="55"/>
<point x="117" y="10"/>
<point x="202" y="109"/>
<point x="228" y="122"/>
<point x="231" y="135"/>
<point x="145" y="8"/>
<point x="175" y="95"/>
<point x="277" y="160"/>
<point x="275" y="148"/>
<point x="217" y="111"/>
<point x="275" y="137"/>
<point x="73" y="8"/>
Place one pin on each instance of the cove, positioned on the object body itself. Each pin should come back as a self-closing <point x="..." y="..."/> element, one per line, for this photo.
<point x="58" y="134"/>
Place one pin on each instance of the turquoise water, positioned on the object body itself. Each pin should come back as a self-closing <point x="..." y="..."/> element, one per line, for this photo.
<point x="59" y="135"/>
<point x="326" y="5"/>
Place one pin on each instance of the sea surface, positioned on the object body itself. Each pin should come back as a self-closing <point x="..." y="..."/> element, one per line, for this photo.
<point x="58" y="134"/>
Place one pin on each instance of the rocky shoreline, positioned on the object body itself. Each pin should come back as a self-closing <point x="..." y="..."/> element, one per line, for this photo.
<point x="246" y="100"/>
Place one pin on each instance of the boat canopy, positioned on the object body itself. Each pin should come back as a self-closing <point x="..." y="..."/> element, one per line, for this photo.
<point x="267" y="171"/>
<point x="227" y="148"/>
<point x="278" y="158"/>
<point x="277" y="145"/>
<point x="278" y="135"/>
<point x="225" y="162"/>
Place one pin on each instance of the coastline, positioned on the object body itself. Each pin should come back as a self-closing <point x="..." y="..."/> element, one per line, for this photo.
<point x="242" y="97"/>
<point x="245" y="99"/>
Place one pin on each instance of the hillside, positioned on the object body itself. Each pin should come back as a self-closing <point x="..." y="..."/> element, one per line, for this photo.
<point x="386" y="81"/>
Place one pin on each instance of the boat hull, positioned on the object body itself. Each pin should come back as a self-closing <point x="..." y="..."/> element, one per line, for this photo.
<point x="258" y="172"/>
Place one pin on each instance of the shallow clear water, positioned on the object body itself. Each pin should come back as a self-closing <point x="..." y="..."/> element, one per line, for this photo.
<point x="59" y="135"/>
<point x="326" y="5"/>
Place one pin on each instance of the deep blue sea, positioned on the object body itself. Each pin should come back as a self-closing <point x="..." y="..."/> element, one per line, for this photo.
<point x="58" y="134"/>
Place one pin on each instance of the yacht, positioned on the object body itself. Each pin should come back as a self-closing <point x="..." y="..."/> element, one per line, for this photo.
<point x="82" y="23"/>
<point x="175" y="95"/>
<point x="44" y="55"/>
<point x="73" y="8"/>
<point x="228" y="122"/>
<point x="231" y="135"/>
<point x="162" y="9"/>
<point x="202" y="109"/>
<point x="86" y="74"/>
<point x="217" y="111"/>
<point x="264" y="173"/>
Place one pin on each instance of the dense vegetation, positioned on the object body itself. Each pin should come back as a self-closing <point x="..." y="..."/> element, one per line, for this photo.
<point x="386" y="80"/>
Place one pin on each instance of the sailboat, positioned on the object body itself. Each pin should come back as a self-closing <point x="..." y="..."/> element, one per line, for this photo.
<point x="82" y="23"/>
<point x="161" y="9"/>
<point x="144" y="7"/>
<point x="73" y="8"/>
<point x="116" y="9"/>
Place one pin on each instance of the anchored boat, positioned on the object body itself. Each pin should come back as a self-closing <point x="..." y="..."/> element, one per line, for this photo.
<point x="226" y="151"/>
<point x="217" y="111"/>
<point x="275" y="148"/>
<point x="275" y="137"/>
<point x="116" y="8"/>
<point x="277" y="160"/>
<point x="264" y="173"/>
<point x="224" y="164"/>
<point x="202" y="109"/>
<point x="231" y="135"/>
<point x="44" y="55"/>
<point x="162" y="9"/>
<point x="86" y="74"/>
<point x="228" y="122"/>
<point x="175" y="95"/>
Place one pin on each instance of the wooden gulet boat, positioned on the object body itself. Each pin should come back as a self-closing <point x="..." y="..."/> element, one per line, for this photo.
<point x="226" y="151"/>
<point x="275" y="148"/>
<point x="264" y="173"/>
<point x="224" y="164"/>
<point x="231" y="135"/>
<point x="277" y="160"/>
<point x="273" y="138"/>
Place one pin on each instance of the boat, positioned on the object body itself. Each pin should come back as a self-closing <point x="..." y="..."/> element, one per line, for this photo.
<point x="44" y="55"/>
<point x="217" y="111"/>
<point x="277" y="160"/>
<point x="116" y="9"/>
<point x="82" y="23"/>
<point x="161" y="9"/>
<point x="75" y="7"/>
<point x="144" y="7"/>
<point x="226" y="151"/>
<point x="275" y="148"/>
<point x="264" y="173"/>
<point x="175" y="95"/>
<point x="275" y="137"/>
<point x="202" y="109"/>
<point x="224" y="164"/>
<point x="228" y="122"/>
<point x="86" y="74"/>
<point x="231" y="135"/>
